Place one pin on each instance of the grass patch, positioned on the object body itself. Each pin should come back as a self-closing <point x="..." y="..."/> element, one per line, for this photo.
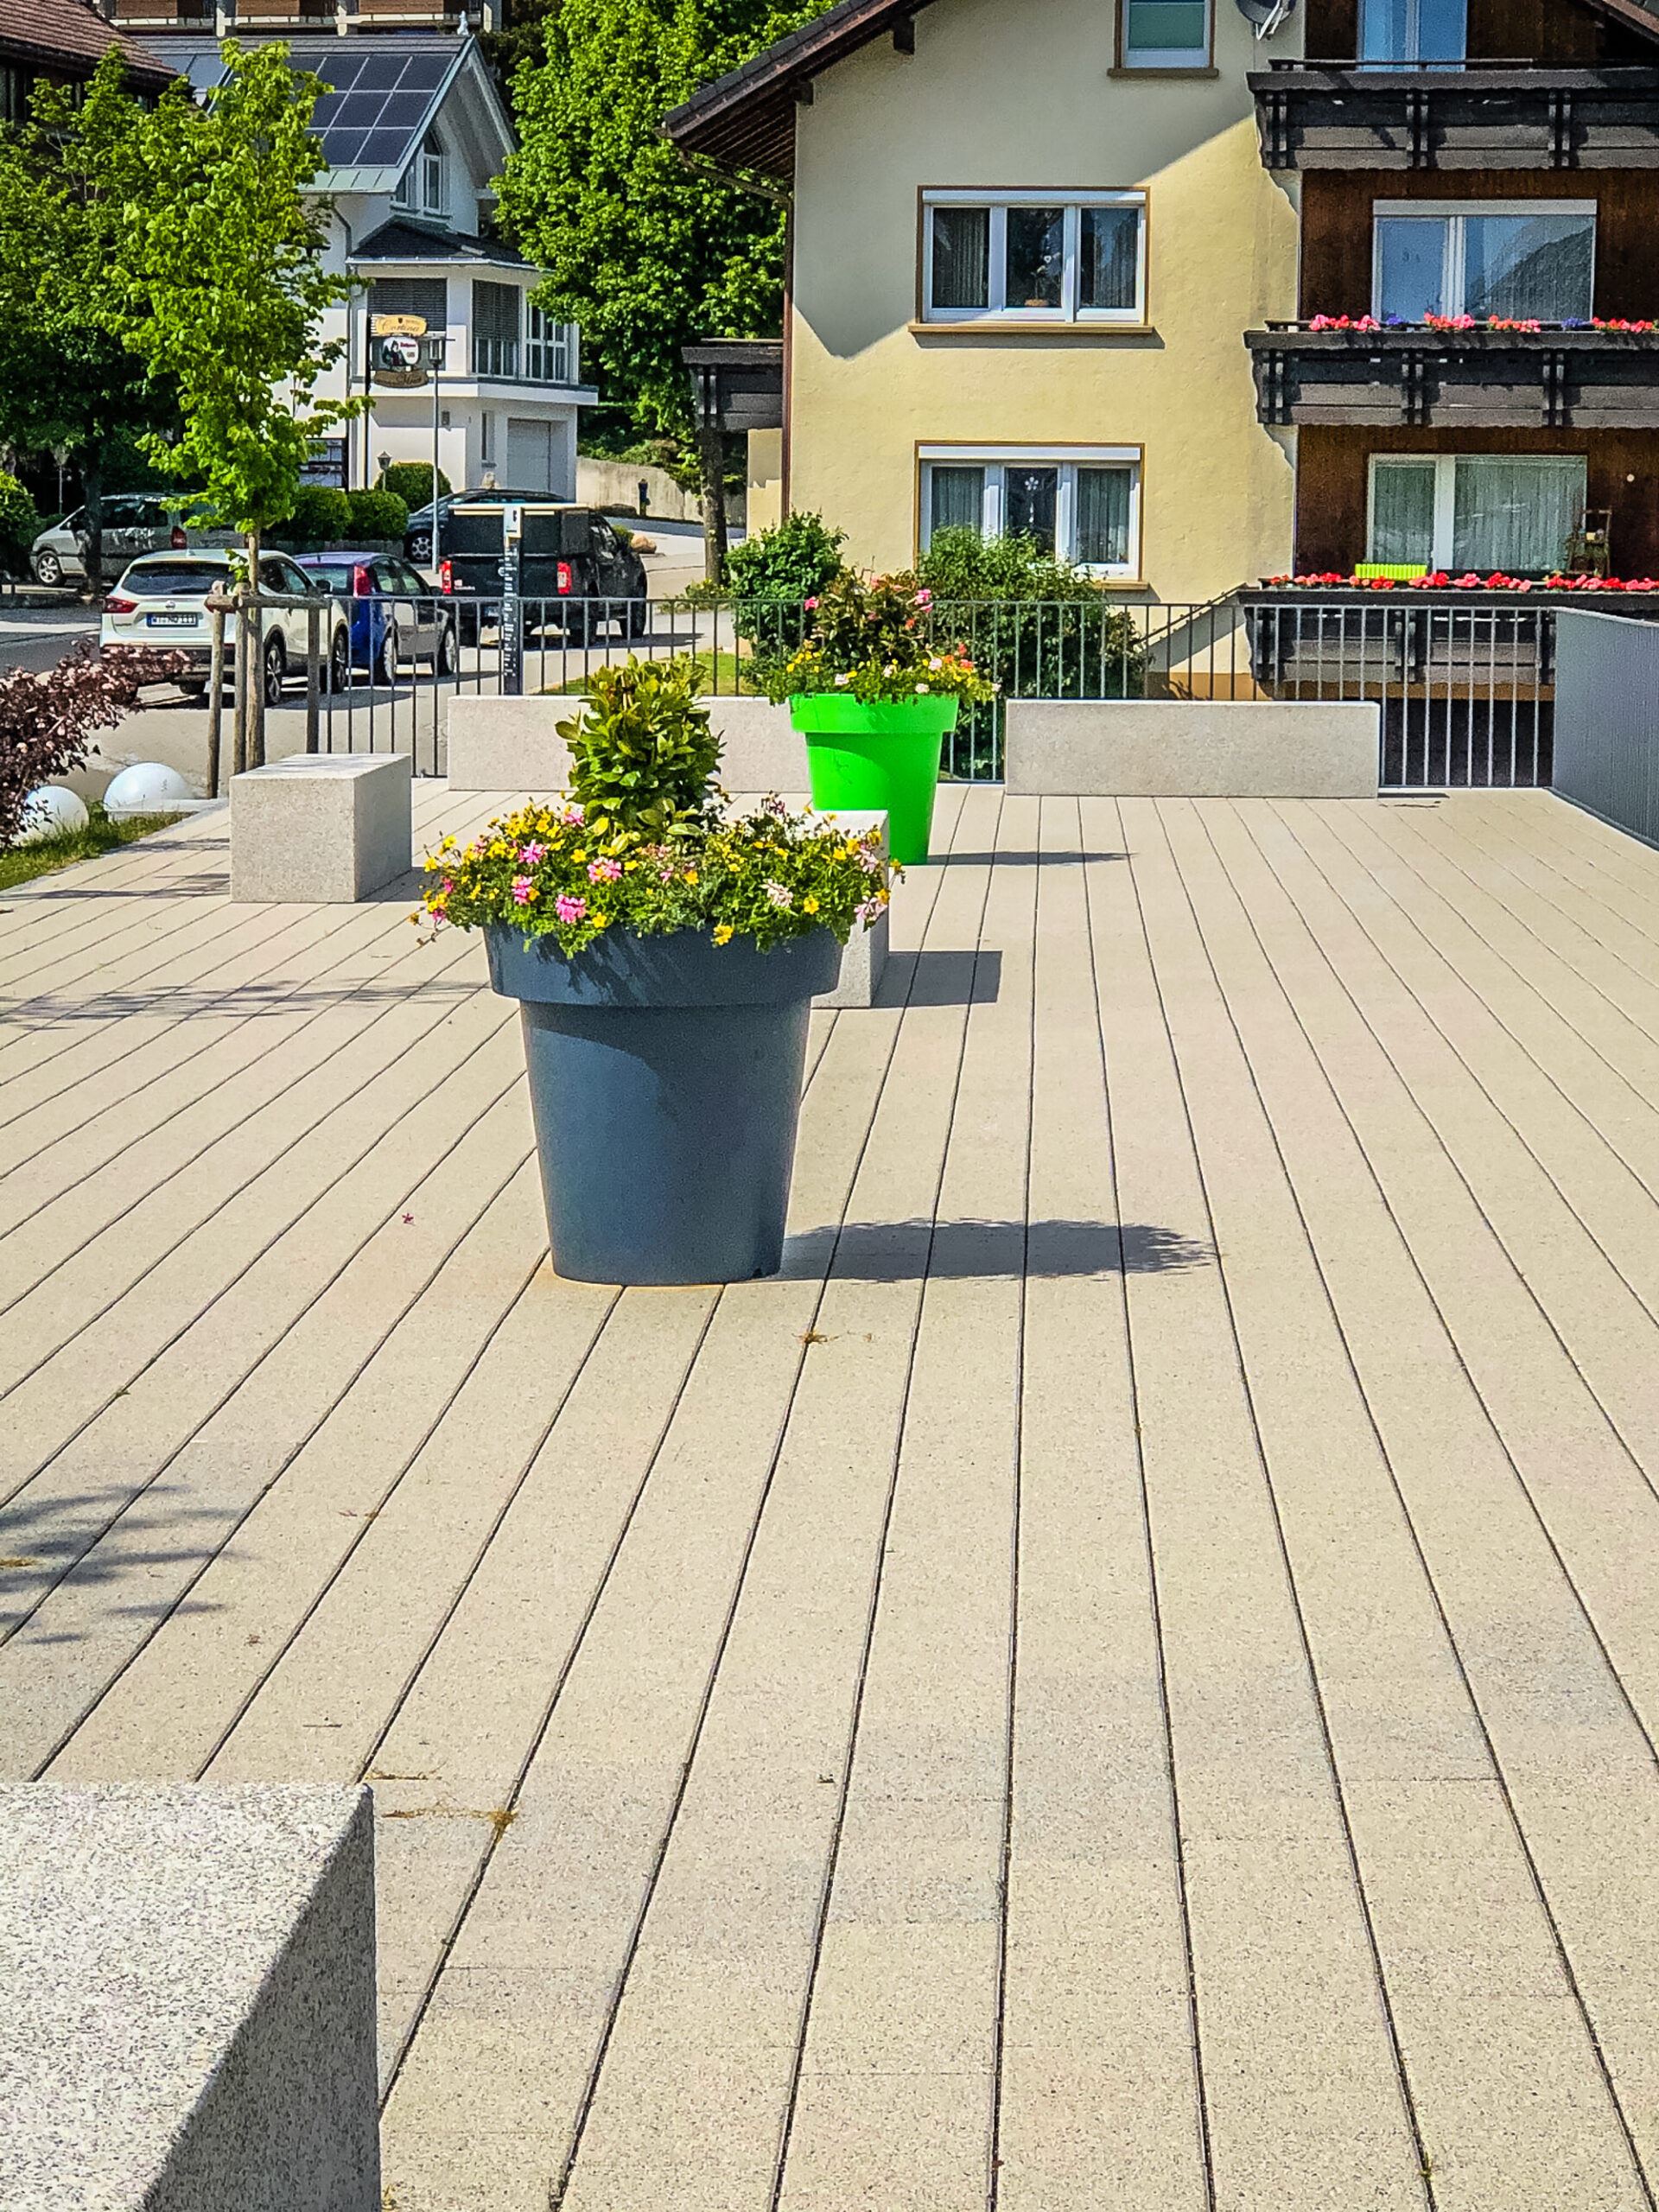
<point x="22" y="863"/>
<point x="731" y="677"/>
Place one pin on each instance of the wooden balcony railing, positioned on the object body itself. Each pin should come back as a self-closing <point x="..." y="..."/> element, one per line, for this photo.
<point x="1500" y="115"/>
<point x="1475" y="379"/>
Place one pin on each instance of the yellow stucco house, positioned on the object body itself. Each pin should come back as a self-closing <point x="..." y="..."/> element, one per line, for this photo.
<point x="1026" y="240"/>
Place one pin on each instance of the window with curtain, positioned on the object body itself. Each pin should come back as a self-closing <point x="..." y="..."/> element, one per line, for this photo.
<point x="1081" y="503"/>
<point x="1521" y="263"/>
<point x="1482" y="512"/>
<point x="495" y="330"/>
<point x="1028" y="257"/>
<point x="1165" y="34"/>
<point x="1413" y="30"/>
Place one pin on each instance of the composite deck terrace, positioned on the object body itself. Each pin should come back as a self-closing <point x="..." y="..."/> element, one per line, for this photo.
<point x="1127" y="1677"/>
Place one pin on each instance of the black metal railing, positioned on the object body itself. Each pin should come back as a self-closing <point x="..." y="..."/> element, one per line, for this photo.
<point x="1464" y="684"/>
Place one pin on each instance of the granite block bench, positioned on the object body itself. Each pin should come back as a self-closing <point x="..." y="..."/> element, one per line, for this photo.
<point x="320" y="827"/>
<point x="188" y="1999"/>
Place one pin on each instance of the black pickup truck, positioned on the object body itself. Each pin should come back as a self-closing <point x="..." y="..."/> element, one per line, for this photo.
<point x="575" y="571"/>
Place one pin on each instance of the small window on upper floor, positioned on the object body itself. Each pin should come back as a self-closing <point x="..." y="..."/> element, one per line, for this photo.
<point x="1034" y="257"/>
<point x="435" y="177"/>
<point x="1164" y="34"/>
<point x="1399" y="32"/>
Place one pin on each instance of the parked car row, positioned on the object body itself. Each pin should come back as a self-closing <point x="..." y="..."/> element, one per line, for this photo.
<point x="376" y="615"/>
<point x="134" y="523"/>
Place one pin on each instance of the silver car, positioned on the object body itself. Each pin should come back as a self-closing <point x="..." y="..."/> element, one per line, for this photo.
<point x="134" y="523"/>
<point x="160" y="600"/>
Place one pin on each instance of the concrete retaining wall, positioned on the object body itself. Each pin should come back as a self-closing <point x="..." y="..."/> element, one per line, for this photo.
<point x="187" y="2000"/>
<point x="615" y="484"/>
<point x="1214" y="748"/>
<point x="513" y="745"/>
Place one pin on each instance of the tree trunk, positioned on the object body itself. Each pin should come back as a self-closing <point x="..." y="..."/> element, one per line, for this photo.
<point x="711" y="452"/>
<point x="257" y="670"/>
<point x="91" y="487"/>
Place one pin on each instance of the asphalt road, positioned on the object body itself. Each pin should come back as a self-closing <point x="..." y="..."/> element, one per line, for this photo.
<point x="38" y="638"/>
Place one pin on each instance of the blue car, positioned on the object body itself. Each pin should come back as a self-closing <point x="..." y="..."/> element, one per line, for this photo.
<point x="394" y="615"/>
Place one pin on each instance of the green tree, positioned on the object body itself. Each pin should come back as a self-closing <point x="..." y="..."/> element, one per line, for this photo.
<point x="67" y="380"/>
<point x="645" y="253"/>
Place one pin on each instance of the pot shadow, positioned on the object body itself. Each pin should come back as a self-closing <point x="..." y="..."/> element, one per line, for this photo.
<point x="919" y="1249"/>
<point x="965" y="978"/>
<point x="1018" y="860"/>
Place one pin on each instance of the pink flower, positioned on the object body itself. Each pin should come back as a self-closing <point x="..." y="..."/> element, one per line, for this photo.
<point x="448" y="885"/>
<point x="531" y="854"/>
<point x="870" y="912"/>
<point x="573" y="815"/>
<point x="568" y="909"/>
<point x="603" y="871"/>
<point x="810" y="604"/>
<point x="523" y="891"/>
<point x="924" y="598"/>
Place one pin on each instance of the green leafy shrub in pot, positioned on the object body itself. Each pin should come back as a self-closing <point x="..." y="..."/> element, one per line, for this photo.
<point x="322" y="516"/>
<point x="642" y="846"/>
<point x="879" y="639"/>
<point x="376" y="514"/>
<point x="411" y="482"/>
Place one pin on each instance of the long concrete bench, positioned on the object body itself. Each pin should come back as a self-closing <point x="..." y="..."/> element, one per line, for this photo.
<point x="187" y="2000"/>
<point x="1191" y="748"/>
<point x="320" y="827"/>
<point x="513" y="745"/>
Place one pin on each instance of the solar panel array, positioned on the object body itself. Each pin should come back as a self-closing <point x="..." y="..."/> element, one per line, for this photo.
<point x="381" y="93"/>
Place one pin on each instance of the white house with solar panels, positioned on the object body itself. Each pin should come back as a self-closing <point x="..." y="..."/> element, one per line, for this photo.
<point x="413" y="130"/>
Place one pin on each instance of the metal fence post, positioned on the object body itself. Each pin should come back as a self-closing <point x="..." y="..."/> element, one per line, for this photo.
<point x="215" y="691"/>
<point x="312" y="685"/>
<point x="513" y="642"/>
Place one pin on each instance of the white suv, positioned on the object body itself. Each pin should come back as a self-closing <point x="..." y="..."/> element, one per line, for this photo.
<point x="160" y="600"/>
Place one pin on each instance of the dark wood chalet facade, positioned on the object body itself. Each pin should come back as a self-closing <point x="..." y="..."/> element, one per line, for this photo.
<point x="1479" y="183"/>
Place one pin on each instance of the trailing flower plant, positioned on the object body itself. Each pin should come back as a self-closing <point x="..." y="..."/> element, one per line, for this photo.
<point x="642" y="845"/>
<point x="1442" y="580"/>
<point x="872" y="638"/>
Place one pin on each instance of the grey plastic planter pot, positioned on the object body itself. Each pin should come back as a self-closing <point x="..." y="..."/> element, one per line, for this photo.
<point x="666" y="1084"/>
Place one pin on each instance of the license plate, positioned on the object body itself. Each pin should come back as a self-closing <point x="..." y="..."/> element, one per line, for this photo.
<point x="174" y="621"/>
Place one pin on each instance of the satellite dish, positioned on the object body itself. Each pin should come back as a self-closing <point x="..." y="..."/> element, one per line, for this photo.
<point x="1268" y="15"/>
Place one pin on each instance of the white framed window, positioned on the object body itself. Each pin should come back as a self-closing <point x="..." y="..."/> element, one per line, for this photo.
<point x="1395" y="31"/>
<point x="408" y="186"/>
<point x="1526" y="260"/>
<point x="1034" y="257"/>
<point x="1513" y="513"/>
<point x="551" y="349"/>
<point x="1080" y="502"/>
<point x="435" y="177"/>
<point x="1164" y="34"/>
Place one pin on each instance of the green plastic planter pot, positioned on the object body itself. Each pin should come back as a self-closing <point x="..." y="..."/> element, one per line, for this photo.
<point x="880" y="753"/>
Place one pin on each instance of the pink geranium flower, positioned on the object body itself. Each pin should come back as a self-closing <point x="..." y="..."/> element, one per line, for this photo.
<point x="523" y="891"/>
<point x="603" y="871"/>
<point x="568" y="909"/>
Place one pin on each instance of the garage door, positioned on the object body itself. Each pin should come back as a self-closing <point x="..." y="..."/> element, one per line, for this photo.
<point x="529" y="455"/>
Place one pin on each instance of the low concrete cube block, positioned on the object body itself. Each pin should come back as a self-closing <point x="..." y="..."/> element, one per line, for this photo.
<point x="1191" y="748"/>
<point x="320" y="827"/>
<point x="187" y="2000"/>
<point x="513" y="745"/>
<point x="865" y="953"/>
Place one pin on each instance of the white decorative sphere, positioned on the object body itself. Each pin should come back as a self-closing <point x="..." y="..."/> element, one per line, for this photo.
<point x="149" y="788"/>
<point x="51" y="811"/>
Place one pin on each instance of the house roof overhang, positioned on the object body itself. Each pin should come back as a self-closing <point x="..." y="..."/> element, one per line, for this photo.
<point x="746" y="120"/>
<point x="404" y="244"/>
<point x="69" y="38"/>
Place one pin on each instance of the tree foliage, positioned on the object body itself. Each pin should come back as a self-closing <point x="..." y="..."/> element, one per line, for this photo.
<point x="645" y="254"/>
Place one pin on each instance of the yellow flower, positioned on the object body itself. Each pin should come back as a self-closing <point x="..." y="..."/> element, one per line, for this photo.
<point x="723" y="934"/>
<point x="690" y="875"/>
<point x="598" y="921"/>
<point x="810" y="906"/>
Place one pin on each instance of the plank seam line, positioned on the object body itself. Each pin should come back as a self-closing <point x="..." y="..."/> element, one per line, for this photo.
<point x="1425" y="2172"/>
<point x="135" y="1282"/>
<point x="221" y="1135"/>
<point x="231" y="1534"/>
<point x="999" y="2015"/>
<point x="832" y="1857"/>
<point x="1439" y="1144"/>
<point x="1535" y="1877"/>
<point x="1177" y="1845"/>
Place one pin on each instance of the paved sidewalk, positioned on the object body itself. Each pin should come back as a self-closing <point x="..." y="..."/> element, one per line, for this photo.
<point x="1125" y="1680"/>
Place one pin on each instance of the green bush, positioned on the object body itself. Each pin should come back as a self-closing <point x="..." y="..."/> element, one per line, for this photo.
<point x="19" y="523"/>
<point x="411" y="482"/>
<point x="768" y="579"/>
<point x="376" y="514"/>
<point x="322" y="516"/>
